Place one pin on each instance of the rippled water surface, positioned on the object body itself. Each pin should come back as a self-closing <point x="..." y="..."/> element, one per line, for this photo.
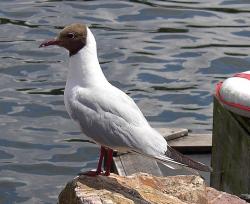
<point x="167" y="55"/>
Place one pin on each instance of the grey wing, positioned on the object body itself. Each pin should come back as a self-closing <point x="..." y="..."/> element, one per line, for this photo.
<point x="113" y="119"/>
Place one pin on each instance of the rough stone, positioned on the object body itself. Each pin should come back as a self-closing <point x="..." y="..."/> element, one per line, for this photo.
<point x="142" y="188"/>
<point x="220" y="197"/>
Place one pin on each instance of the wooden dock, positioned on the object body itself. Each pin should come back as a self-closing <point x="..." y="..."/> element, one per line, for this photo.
<point x="180" y="139"/>
<point x="231" y="151"/>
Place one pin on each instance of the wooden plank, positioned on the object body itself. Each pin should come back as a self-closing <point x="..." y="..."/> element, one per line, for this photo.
<point x="193" y="143"/>
<point x="230" y="152"/>
<point x="172" y="133"/>
<point x="118" y="167"/>
<point x="130" y="163"/>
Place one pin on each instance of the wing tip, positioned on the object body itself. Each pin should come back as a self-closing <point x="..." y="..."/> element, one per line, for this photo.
<point x="178" y="157"/>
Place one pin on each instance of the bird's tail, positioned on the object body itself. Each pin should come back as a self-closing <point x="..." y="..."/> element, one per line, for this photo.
<point x="186" y="161"/>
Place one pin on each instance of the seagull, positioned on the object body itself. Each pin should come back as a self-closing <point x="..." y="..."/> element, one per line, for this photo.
<point x="104" y="113"/>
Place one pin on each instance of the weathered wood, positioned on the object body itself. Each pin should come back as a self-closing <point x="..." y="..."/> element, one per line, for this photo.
<point x="130" y="163"/>
<point x="230" y="151"/>
<point x="182" y="140"/>
<point x="172" y="133"/>
<point x="193" y="143"/>
<point x="118" y="167"/>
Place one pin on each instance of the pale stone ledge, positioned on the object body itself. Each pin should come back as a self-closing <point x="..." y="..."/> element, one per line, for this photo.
<point x="143" y="189"/>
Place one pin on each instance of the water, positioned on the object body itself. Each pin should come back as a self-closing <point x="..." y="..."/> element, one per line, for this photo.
<point x="167" y="55"/>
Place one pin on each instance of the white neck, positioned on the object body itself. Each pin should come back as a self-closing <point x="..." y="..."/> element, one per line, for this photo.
<point x="84" y="67"/>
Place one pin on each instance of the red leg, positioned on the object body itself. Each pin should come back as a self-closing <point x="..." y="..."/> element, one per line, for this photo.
<point x="99" y="167"/>
<point x="109" y="162"/>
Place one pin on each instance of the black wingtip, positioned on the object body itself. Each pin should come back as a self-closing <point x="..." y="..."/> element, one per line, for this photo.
<point x="178" y="157"/>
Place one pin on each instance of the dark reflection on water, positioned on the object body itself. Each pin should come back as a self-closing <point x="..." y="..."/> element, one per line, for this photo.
<point x="25" y="145"/>
<point x="167" y="55"/>
<point x="41" y="169"/>
<point x="5" y="155"/>
<point x="74" y="157"/>
<point x="8" y="192"/>
<point x="172" y="116"/>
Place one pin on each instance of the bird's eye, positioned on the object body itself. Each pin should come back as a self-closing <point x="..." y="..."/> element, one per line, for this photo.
<point x="70" y="35"/>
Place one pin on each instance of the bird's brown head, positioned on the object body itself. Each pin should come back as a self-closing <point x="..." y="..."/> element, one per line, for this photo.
<point x="72" y="37"/>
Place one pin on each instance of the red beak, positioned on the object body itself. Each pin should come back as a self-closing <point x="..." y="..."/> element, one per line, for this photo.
<point x="50" y="42"/>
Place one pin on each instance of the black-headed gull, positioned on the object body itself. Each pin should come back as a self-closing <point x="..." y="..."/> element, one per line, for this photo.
<point x="106" y="114"/>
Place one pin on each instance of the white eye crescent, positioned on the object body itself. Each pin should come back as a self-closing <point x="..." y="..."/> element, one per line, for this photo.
<point x="71" y="35"/>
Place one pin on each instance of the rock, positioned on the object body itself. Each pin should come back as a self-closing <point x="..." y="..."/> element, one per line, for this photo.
<point x="142" y="188"/>
<point x="219" y="197"/>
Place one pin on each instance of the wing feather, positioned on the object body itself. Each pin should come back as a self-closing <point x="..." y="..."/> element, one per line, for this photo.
<point x="114" y="120"/>
<point x="111" y="118"/>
